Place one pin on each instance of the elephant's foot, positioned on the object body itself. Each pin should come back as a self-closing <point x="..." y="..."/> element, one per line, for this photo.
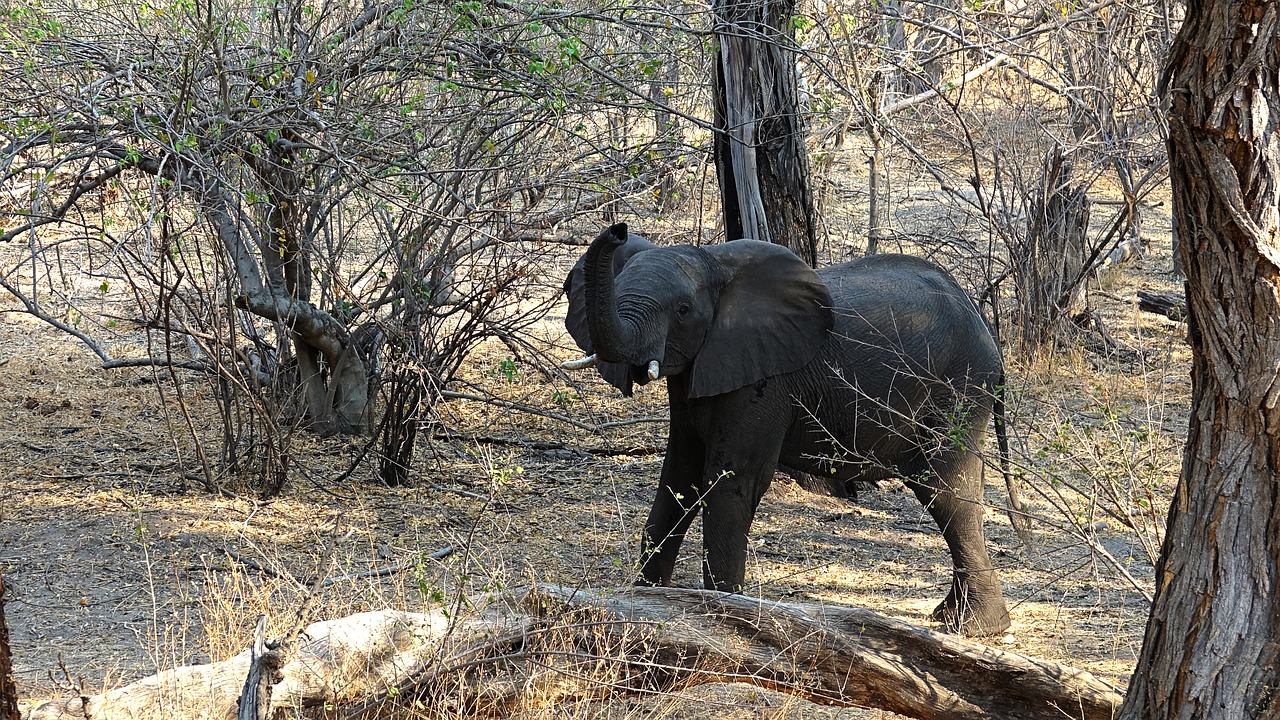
<point x="973" y="613"/>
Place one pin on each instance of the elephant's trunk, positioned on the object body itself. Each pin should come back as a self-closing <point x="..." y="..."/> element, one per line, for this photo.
<point x="609" y="336"/>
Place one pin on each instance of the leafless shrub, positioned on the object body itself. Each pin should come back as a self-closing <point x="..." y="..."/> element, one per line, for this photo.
<point x="979" y="96"/>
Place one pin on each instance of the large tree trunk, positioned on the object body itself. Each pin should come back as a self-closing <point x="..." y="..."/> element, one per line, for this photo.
<point x="1212" y="645"/>
<point x="563" y="644"/>
<point x="760" y="154"/>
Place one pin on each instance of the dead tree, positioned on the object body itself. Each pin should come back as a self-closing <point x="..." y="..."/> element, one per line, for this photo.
<point x="1051" y="259"/>
<point x="1170" y="305"/>
<point x="760" y="156"/>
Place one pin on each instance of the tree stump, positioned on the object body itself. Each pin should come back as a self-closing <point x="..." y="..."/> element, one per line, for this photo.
<point x="1049" y="263"/>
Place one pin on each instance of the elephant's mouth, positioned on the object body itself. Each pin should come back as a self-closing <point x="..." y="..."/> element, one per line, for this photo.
<point x="643" y="374"/>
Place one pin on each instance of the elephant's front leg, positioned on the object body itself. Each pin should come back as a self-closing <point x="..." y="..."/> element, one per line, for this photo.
<point x="737" y="473"/>
<point x="677" y="501"/>
<point x="674" y="508"/>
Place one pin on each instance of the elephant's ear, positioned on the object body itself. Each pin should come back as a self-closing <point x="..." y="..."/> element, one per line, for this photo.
<point x="772" y="317"/>
<point x="575" y="319"/>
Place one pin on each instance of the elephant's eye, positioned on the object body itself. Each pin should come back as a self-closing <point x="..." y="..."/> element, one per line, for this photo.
<point x="684" y="310"/>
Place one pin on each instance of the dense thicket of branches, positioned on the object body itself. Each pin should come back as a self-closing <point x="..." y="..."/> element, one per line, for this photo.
<point x="980" y="97"/>
<point x="276" y="190"/>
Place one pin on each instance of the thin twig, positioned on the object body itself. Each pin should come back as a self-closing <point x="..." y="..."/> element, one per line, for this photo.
<point x="440" y="554"/>
<point x="508" y="404"/>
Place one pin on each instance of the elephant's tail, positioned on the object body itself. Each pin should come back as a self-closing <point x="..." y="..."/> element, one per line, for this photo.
<point x="1017" y="516"/>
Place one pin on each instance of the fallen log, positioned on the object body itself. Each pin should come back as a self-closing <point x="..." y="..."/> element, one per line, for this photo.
<point x="1170" y="305"/>
<point x="552" y="644"/>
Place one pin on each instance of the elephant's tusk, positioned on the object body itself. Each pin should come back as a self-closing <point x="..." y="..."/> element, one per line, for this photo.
<point x="589" y="361"/>
<point x="653" y="369"/>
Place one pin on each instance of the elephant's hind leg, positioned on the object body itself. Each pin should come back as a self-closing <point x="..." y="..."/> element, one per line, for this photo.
<point x="950" y="487"/>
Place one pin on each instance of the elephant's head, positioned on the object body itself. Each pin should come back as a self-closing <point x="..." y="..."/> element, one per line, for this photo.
<point x="729" y="315"/>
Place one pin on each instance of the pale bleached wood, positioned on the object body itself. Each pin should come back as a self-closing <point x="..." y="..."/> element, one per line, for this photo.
<point x="552" y="644"/>
<point x="332" y="659"/>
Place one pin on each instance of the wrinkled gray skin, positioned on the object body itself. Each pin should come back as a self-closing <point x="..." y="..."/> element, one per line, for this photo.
<point x="878" y="368"/>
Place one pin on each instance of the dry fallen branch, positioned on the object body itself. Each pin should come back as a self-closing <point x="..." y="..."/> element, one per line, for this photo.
<point x="1170" y="305"/>
<point x="559" y="644"/>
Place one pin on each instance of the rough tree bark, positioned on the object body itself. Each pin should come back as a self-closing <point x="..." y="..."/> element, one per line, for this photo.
<point x="1212" y="645"/>
<point x="760" y="155"/>
<point x="8" y="689"/>
<point x="563" y="644"/>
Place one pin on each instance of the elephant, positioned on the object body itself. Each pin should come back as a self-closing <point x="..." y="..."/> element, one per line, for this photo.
<point x="873" y="369"/>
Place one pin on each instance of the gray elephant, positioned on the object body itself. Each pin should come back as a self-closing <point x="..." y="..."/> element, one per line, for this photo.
<point x="877" y="368"/>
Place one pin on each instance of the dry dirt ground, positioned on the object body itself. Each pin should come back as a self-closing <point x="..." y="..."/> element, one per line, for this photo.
<point x="119" y="566"/>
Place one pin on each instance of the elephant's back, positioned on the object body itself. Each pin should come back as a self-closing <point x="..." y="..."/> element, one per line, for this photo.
<point x="906" y="341"/>
<point x="903" y="278"/>
<point x="903" y="310"/>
